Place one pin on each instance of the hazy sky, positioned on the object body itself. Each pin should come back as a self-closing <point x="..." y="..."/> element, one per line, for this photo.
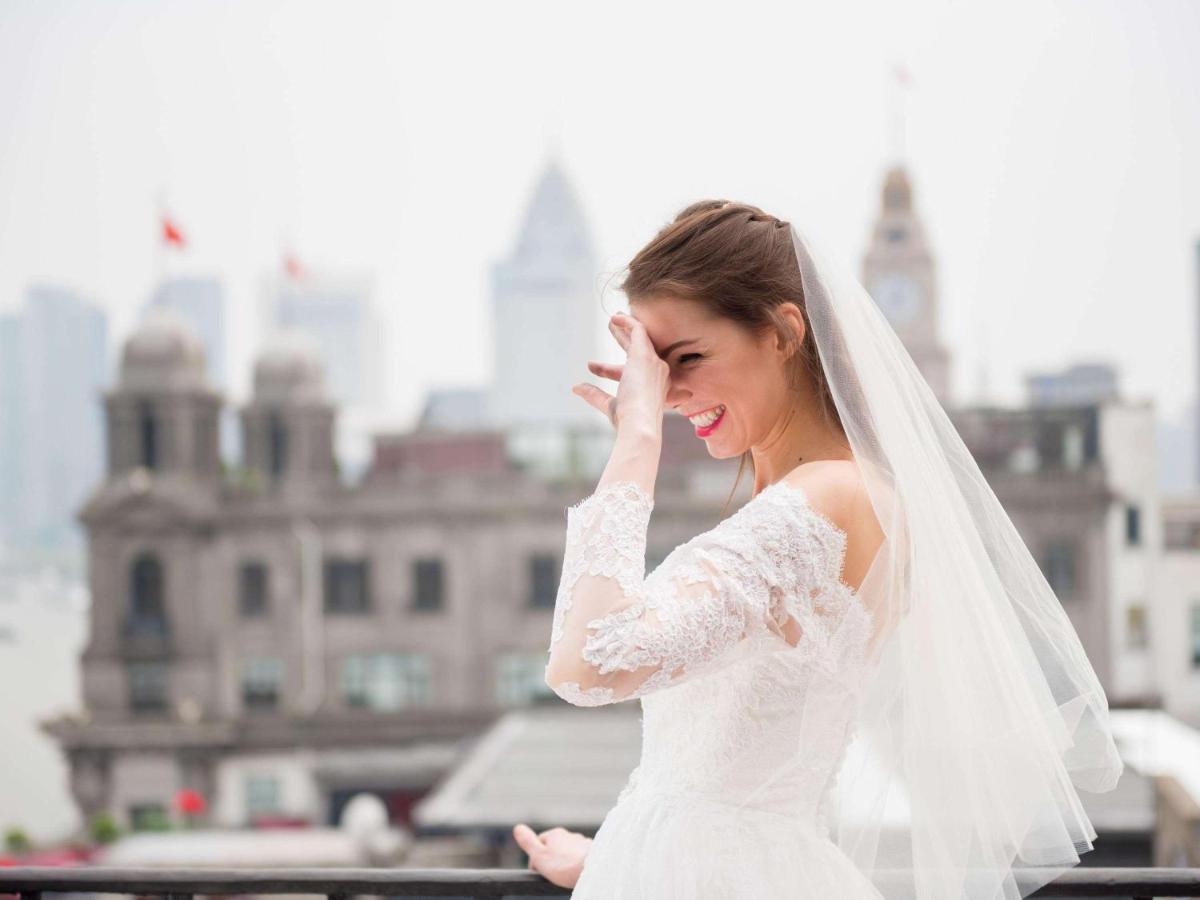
<point x="1049" y="145"/>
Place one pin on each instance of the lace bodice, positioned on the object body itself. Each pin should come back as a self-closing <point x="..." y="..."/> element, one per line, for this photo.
<point x="728" y="701"/>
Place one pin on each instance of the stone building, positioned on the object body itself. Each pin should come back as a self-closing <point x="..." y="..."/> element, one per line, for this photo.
<point x="281" y="640"/>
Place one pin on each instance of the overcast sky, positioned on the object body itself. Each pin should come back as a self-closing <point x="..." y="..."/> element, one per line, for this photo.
<point x="1054" y="147"/>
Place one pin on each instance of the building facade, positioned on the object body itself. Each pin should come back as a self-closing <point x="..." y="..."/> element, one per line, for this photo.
<point x="280" y="639"/>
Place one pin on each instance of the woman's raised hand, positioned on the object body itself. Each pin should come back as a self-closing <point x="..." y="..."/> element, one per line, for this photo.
<point x="643" y="380"/>
<point x="557" y="854"/>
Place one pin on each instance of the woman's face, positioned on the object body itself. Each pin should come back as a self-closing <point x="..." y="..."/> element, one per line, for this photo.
<point x="717" y="366"/>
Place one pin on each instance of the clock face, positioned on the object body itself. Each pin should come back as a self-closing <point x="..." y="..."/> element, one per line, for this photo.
<point x="898" y="297"/>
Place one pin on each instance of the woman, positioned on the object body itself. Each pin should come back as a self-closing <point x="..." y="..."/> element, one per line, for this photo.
<point x="872" y="594"/>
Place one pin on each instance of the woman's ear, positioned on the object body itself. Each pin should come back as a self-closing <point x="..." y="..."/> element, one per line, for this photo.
<point x="789" y="321"/>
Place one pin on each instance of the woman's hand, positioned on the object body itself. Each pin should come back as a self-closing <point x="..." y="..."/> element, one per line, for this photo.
<point x="643" y="380"/>
<point x="557" y="854"/>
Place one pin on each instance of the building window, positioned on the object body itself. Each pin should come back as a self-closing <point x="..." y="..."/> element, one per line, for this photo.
<point x="1137" y="633"/>
<point x="346" y="588"/>
<point x="276" y="445"/>
<point x="262" y="683"/>
<point x="147" y="601"/>
<point x="263" y="796"/>
<point x="148" y="686"/>
<point x="521" y="679"/>
<point x="386" y="681"/>
<point x="544" y="575"/>
<point x="1133" y="526"/>
<point x="1058" y="565"/>
<point x="428" y="584"/>
<point x="252" y="590"/>
<point x="147" y="436"/>
<point x="895" y="235"/>
<point x="1196" y="635"/>
<point x="148" y="817"/>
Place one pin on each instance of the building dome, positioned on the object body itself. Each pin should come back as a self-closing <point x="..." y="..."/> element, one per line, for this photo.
<point x="289" y="370"/>
<point x="163" y="354"/>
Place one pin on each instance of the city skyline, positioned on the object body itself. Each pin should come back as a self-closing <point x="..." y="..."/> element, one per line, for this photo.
<point x="1048" y="168"/>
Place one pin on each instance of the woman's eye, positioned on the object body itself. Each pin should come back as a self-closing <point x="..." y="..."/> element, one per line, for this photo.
<point x="685" y="357"/>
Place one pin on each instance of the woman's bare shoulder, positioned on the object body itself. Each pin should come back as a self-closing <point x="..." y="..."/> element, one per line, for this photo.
<point x="836" y="489"/>
<point x="833" y="487"/>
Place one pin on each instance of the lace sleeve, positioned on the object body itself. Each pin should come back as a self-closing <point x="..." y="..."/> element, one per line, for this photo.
<point x="618" y="635"/>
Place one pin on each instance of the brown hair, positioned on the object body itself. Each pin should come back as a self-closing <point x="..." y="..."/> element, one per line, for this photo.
<point x="740" y="264"/>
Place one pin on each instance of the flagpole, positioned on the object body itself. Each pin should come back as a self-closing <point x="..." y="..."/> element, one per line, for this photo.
<point x="160" y="243"/>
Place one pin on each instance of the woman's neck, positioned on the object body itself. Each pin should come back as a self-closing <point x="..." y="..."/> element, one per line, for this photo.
<point x="802" y="436"/>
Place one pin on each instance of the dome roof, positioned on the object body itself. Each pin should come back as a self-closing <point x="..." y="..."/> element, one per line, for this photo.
<point x="163" y="354"/>
<point x="289" y="370"/>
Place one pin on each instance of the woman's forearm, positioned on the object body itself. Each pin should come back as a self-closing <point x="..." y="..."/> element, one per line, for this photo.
<point x="635" y="457"/>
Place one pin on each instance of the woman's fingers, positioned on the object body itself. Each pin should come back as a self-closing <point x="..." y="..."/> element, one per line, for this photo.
<point x="606" y="370"/>
<point x="527" y="840"/>
<point x="620" y="330"/>
<point x="601" y="400"/>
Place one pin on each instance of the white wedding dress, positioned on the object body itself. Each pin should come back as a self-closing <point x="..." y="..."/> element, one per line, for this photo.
<point x="749" y="654"/>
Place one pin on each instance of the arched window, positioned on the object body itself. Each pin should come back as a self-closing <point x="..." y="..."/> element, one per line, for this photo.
<point x="147" y="597"/>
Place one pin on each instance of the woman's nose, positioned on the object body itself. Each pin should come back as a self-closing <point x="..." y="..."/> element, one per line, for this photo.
<point x="676" y="394"/>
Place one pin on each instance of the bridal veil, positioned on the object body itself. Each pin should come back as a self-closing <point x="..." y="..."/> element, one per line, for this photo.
<point x="984" y="715"/>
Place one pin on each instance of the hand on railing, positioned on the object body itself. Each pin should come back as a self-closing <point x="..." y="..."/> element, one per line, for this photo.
<point x="557" y="854"/>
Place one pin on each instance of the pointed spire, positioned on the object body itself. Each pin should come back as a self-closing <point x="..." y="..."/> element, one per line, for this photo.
<point x="897" y="191"/>
<point x="554" y="226"/>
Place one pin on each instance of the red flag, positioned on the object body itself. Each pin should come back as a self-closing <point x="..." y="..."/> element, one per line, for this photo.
<point x="171" y="233"/>
<point x="292" y="265"/>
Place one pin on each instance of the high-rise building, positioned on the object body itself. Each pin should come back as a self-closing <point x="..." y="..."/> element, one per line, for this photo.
<point x="200" y="302"/>
<point x="1196" y="432"/>
<point x="544" y="312"/>
<point x="898" y="271"/>
<point x="10" y="426"/>
<point x="54" y="365"/>
<point x="336" y="312"/>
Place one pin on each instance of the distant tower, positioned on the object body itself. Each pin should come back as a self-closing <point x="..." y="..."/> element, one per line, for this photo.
<point x="898" y="271"/>
<point x="337" y="312"/>
<point x="163" y="417"/>
<point x="1196" y="399"/>
<point x="200" y="302"/>
<point x="544" y="312"/>
<point x="53" y="366"/>
<point x="288" y="426"/>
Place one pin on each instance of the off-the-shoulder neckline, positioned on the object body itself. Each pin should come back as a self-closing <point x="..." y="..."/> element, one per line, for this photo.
<point x="797" y="490"/>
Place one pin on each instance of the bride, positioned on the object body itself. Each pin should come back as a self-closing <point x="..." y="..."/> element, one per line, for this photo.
<point x="859" y="684"/>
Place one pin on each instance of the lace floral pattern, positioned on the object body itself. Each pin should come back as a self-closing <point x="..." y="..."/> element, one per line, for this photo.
<point x="775" y="558"/>
<point x="745" y="725"/>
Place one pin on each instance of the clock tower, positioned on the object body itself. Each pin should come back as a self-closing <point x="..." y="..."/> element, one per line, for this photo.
<point x="898" y="274"/>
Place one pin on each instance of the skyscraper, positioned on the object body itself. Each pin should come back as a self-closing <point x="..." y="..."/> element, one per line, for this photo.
<point x="200" y="302"/>
<point x="544" y="312"/>
<point x="336" y="312"/>
<point x="55" y="363"/>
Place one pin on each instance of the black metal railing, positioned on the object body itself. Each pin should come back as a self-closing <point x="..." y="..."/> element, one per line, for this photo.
<point x="340" y="884"/>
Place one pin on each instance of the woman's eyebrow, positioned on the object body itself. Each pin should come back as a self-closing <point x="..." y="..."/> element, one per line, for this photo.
<point x="667" y="352"/>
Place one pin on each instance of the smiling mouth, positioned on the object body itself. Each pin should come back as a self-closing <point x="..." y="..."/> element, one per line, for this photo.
<point x="706" y="422"/>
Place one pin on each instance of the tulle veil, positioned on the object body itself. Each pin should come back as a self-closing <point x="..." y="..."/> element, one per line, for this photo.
<point x="983" y="715"/>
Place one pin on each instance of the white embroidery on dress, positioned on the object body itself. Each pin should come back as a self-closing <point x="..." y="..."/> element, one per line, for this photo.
<point x="775" y="558"/>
